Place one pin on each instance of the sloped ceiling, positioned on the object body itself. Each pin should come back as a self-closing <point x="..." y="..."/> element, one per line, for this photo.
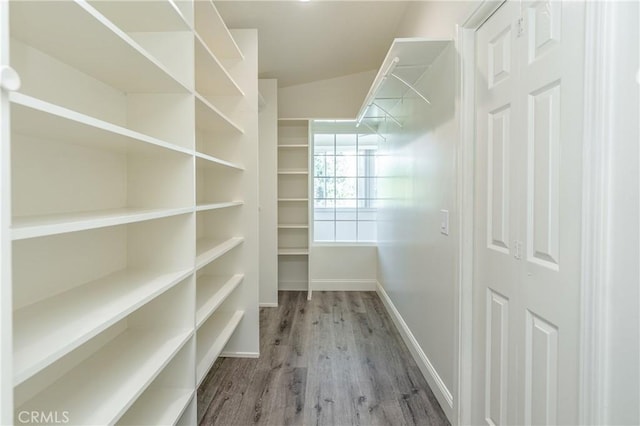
<point x="301" y="42"/>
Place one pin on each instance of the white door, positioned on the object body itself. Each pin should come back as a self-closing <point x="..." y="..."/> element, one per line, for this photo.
<point x="528" y="214"/>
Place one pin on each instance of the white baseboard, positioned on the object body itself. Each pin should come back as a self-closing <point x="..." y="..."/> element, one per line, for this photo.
<point x="240" y="354"/>
<point x="440" y="390"/>
<point x="293" y="285"/>
<point x="343" y="285"/>
<point x="268" y="305"/>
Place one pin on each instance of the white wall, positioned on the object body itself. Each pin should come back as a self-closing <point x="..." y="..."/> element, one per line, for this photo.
<point x="339" y="97"/>
<point x="268" y="198"/>
<point x="416" y="263"/>
<point x="434" y="19"/>
<point x="417" y="266"/>
<point x="330" y="271"/>
<point x="623" y="364"/>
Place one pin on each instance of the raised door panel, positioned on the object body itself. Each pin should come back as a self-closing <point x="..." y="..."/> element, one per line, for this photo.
<point x="543" y="176"/>
<point x="497" y="356"/>
<point x="541" y="371"/>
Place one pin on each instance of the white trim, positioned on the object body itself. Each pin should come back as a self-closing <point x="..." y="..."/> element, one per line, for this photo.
<point x="440" y="390"/>
<point x="344" y="285"/>
<point x="595" y="239"/>
<point x="482" y="12"/>
<point x="239" y="355"/>
<point x="298" y="285"/>
<point x="268" y="305"/>
<point x="465" y="165"/>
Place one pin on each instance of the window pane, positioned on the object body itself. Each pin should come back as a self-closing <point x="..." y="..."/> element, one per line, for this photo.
<point x="367" y="231"/>
<point x="348" y="203"/>
<point x="323" y="231"/>
<point x="319" y="165"/>
<point x="327" y="213"/>
<point x="346" y="214"/>
<point x="323" y="143"/>
<point x="346" y="166"/>
<point x="345" y="183"/>
<point x="367" y="188"/>
<point x="365" y="214"/>
<point x="346" y="231"/>
<point x="345" y="144"/>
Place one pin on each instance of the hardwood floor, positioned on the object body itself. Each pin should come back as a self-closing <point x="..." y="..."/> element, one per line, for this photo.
<point x="335" y="360"/>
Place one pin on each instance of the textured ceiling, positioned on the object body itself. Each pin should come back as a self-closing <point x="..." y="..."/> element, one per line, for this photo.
<point x="300" y="42"/>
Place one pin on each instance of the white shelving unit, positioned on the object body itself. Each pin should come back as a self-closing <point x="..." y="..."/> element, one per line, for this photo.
<point x="133" y="205"/>
<point x="293" y="204"/>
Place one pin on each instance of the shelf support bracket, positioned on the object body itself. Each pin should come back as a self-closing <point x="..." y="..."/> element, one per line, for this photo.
<point x="395" y="120"/>
<point x="410" y="86"/>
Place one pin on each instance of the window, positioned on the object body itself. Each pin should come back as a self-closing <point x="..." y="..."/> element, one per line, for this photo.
<point x="344" y="182"/>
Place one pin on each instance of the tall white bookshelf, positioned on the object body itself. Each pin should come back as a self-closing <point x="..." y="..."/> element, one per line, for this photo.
<point x="293" y="204"/>
<point x="133" y="204"/>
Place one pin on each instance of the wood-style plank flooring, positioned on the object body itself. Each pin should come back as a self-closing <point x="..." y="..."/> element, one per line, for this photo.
<point x="335" y="360"/>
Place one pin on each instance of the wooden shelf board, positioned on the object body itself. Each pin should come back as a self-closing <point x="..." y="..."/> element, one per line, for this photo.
<point x="37" y="118"/>
<point x="158" y="406"/>
<point x="285" y="200"/>
<point x="123" y="369"/>
<point x="44" y="225"/>
<point x="208" y="250"/>
<point x="212" y="78"/>
<point x="100" y="51"/>
<point x="204" y="160"/>
<point x="216" y="206"/>
<point x="211" y="292"/>
<point x="213" y="31"/>
<point x="292" y="226"/>
<point x="208" y="352"/>
<point x="143" y="15"/>
<point x="211" y="119"/>
<point x="293" y="252"/>
<point x="47" y="330"/>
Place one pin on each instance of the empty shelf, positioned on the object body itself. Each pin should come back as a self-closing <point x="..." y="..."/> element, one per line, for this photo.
<point x="100" y="389"/>
<point x="214" y="32"/>
<point x="158" y="406"/>
<point x="34" y="117"/>
<point x="211" y="119"/>
<point x="212" y="79"/>
<point x="285" y="200"/>
<point x="208" y="250"/>
<point x="204" y="160"/>
<point x="211" y="292"/>
<point x="293" y="172"/>
<point x="283" y="146"/>
<point x="209" y="347"/>
<point x="43" y="225"/>
<point x="292" y="226"/>
<point x="293" y="252"/>
<point x="143" y="16"/>
<point x="91" y="43"/>
<point x="51" y="328"/>
<point x="216" y="206"/>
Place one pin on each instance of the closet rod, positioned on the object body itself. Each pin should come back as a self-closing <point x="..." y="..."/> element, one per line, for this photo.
<point x="372" y="93"/>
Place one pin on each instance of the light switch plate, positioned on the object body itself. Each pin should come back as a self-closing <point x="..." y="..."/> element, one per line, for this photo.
<point x="444" y="222"/>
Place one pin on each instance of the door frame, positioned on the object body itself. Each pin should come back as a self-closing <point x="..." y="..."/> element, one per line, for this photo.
<point x="599" y="72"/>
